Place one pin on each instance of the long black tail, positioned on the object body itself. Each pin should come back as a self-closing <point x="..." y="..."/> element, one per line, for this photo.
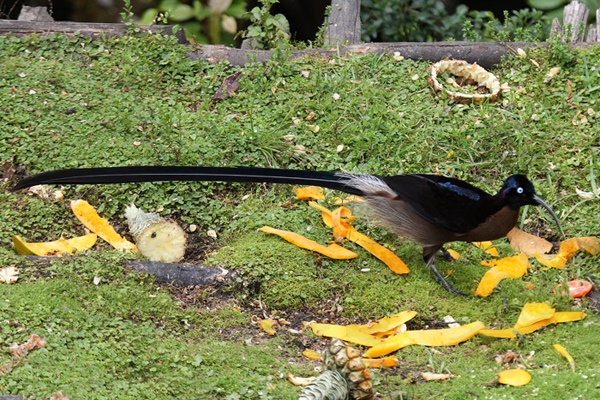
<point x="331" y="180"/>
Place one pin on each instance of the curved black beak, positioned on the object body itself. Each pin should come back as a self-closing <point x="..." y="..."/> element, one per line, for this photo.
<point x="547" y="207"/>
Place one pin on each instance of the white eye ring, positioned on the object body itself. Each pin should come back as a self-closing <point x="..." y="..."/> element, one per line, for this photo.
<point x="520" y="190"/>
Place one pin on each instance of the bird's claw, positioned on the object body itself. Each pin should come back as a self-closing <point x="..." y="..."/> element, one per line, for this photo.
<point x="445" y="254"/>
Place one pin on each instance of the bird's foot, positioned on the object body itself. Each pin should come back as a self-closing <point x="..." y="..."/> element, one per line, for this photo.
<point x="445" y="254"/>
<point x="443" y="281"/>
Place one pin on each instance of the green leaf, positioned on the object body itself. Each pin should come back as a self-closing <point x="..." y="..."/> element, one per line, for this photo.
<point x="181" y="12"/>
<point x="200" y="12"/>
<point x="281" y="23"/>
<point x="237" y="9"/>
<point x="148" y="16"/>
<point x="546" y="4"/>
<point x="255" y="14"/>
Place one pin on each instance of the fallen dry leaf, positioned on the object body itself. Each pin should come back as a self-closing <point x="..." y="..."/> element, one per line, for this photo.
<point x="228" y="87"/>
<point x="268" y="325"/>
<point x="431" y="376"/>
<point x="34" y="342"/>
<point x="9" y="274"/>
<point x="551" y="73"/>
<point x="58" y="396"/>
<point x="527" y="243"/>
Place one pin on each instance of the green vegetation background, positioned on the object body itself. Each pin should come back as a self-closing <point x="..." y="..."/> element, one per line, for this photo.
<point x="70" y="102"/>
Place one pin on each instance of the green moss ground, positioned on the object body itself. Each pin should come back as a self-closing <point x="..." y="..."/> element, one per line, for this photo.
<point x="69" y="102"/>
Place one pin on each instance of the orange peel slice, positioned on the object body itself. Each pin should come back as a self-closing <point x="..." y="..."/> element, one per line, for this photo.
<point x="508" y="267"/>
<point x="339" y="220"/>
<point x="388" y="324"/>
<point x="487" y="247"/>
<point x="90" y="219"/>
<point x="534" y="316"/>
<point x="57" y="247"/>
<point x="567" y="249"/>
<point x="385" y="362"/>
<point x="310" y="193"/>
<point x="312" y="355"/>
<point x="348" y="333"/>
<point x="565" y="353"/>
<point x="334" y="251"/>
<point x="427" y="337"/>
<point x="514" y="377"/>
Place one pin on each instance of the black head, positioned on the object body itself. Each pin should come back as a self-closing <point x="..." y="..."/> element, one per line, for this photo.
<point x="518" y="191"/>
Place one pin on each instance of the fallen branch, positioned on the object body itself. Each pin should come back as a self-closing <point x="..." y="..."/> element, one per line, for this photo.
<point x="185" y="274"/>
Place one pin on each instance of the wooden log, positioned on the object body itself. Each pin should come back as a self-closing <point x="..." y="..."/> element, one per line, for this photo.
<point x="486" y="54"/>
<point x="93" y="30"/>
<point x="343" y="26"/>
<point x="184" y="274"/>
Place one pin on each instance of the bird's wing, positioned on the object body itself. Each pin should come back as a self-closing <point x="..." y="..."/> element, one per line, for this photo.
<point x="447" y="202"/>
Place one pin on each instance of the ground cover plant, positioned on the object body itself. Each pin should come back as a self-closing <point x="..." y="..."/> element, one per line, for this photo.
<point x="113" y="333"/>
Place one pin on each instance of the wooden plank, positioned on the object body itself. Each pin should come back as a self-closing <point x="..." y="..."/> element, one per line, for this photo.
<point x="594" y="31"/>
<point x="93" y="30"/>
<point x="343" y="26"/>
<point x="575" y="16"/>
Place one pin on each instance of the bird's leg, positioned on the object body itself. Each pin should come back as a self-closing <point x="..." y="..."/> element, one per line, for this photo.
<point x="429" y="257"/>
<point x="442" y="280"/>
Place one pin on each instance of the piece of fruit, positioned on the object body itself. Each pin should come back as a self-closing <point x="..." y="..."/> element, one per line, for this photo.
<point x="57" y="247"/>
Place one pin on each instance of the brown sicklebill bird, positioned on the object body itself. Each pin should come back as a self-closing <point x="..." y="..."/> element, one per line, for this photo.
<point x="431" y="210"/>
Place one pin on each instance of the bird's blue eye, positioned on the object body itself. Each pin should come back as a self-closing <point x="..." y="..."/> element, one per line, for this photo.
<point x="520" y="190"/>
